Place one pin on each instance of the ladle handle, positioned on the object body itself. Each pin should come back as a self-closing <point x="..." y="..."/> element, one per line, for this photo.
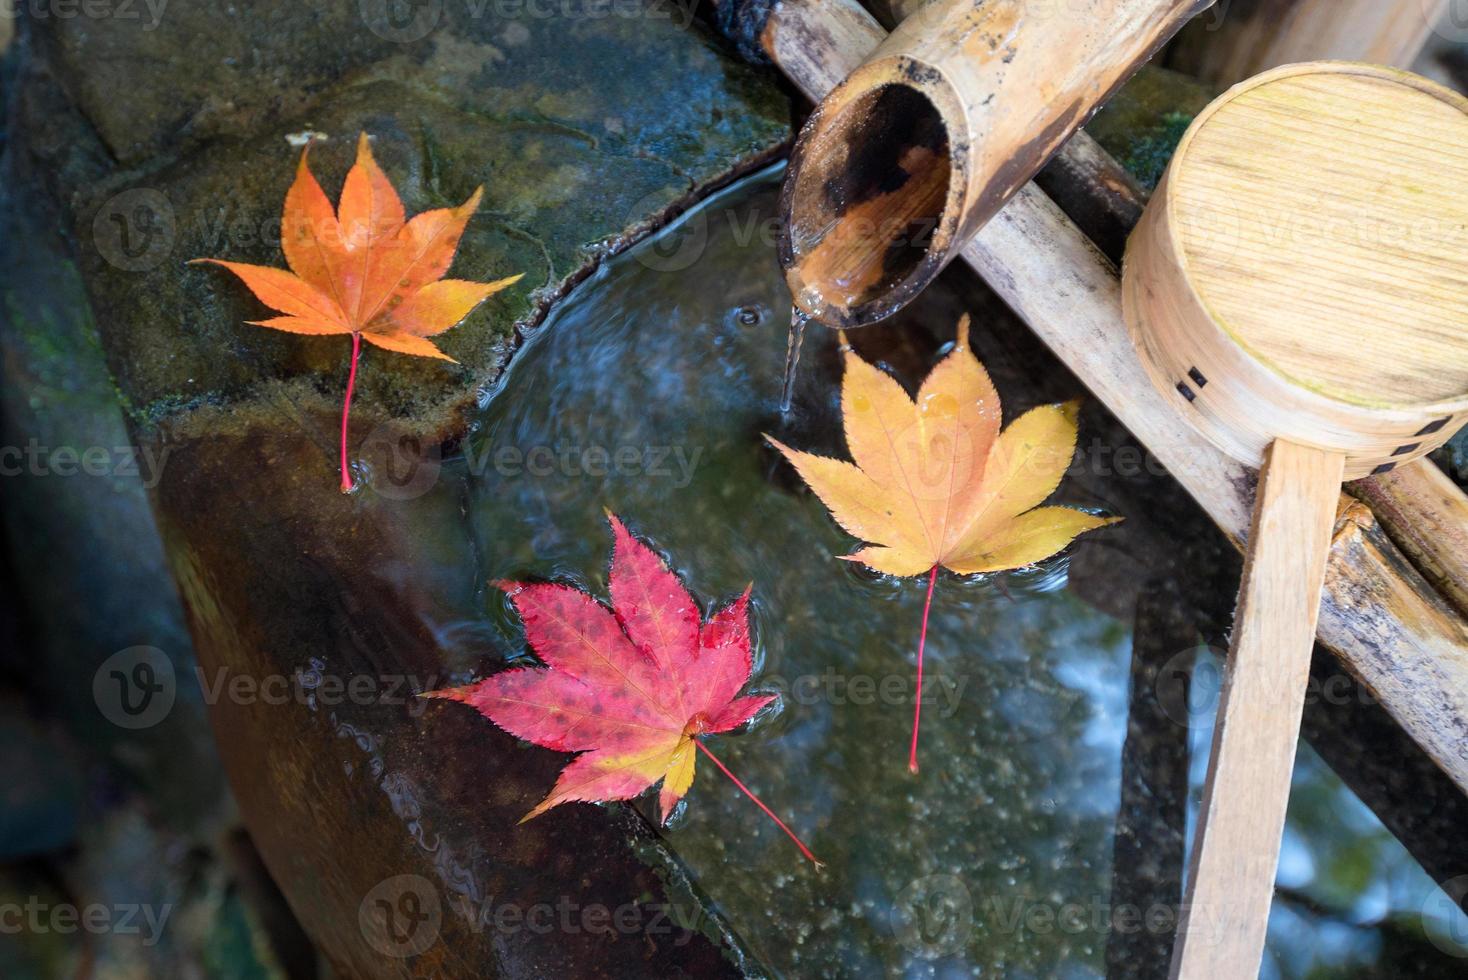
<point x="1231" y="874"/>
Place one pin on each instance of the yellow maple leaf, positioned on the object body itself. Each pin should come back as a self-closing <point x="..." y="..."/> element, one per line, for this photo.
<point x="935" y="483"/>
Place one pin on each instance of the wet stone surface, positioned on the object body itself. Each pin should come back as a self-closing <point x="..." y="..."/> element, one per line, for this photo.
<point x="154" y="143"/>
<point x="576" y="160"/>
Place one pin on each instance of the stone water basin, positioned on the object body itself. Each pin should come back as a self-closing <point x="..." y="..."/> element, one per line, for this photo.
<point x="1037" y="820"/>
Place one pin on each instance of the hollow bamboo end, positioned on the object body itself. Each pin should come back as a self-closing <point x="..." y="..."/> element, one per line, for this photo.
<point x="873" y="196"/>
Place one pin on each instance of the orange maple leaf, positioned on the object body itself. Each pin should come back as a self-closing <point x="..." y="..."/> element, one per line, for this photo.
<point x="936" y="484"/>
<point x="364" y="270"/>
<point x="633" y="688"/>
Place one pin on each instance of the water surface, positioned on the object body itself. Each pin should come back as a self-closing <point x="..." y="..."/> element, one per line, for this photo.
<point x="646" y="393"/>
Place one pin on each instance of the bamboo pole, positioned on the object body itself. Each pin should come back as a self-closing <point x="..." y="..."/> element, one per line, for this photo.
<point x="1241" y="38"/>
<point x="917" y="148"/>
<point x="1426" y="515"/>
<point x="1404" y="641"/>
<point x="1419" y="507"/>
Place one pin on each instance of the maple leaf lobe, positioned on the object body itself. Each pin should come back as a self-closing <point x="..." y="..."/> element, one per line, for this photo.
<point x="364" y="267"/>
<point x="933" y="479"/>
<point x="630" y="686"/>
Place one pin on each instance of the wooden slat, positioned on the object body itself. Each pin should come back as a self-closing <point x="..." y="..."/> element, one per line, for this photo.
<point x="1226" y="911"/>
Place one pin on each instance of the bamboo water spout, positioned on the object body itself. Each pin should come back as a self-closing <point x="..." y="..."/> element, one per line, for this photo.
<point x="899" y="166"/>
<point x="1410" y="649"/>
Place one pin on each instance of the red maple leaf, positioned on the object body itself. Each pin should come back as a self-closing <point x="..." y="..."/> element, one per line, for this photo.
<point x="633" y="688"/>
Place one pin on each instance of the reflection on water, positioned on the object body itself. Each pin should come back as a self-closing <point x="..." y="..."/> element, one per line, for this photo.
<point x="646" y="393"/>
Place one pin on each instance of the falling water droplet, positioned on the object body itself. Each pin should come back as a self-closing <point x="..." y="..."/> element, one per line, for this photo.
<point x="798" y="320"/>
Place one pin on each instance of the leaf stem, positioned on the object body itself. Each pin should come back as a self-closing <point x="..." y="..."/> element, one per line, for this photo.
<point x="917" y="714"/>
<point x="347" y="409"/>
<point x="757" y="802"/>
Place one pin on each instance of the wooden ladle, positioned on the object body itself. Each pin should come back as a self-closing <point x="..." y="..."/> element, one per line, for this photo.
<point x="1299" y="288"/>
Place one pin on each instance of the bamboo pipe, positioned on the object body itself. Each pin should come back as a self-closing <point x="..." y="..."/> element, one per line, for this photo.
<point x="1426" y="515"/>
<point x="920" y="146"/>
<point x="1245" y="37"/>
<point x="1406" y="644"/>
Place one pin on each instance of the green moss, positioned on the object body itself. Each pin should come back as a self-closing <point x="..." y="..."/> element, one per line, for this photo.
<point x="1143" y="123"/>
<point x="1149" y="153"/>
<point x="575" y="161"/>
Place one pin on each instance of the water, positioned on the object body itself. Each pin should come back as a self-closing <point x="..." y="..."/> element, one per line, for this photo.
<point x="647" y="393"/>
<point x="798" y="320"/>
